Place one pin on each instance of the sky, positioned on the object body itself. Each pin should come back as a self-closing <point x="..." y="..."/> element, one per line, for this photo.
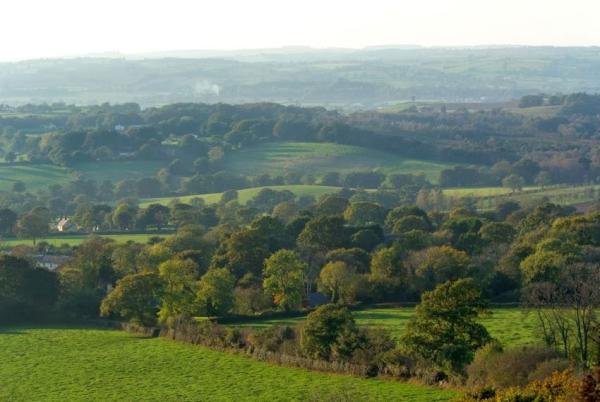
<point x="44" y="28"/>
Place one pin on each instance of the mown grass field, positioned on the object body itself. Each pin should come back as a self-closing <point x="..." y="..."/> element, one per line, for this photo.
<point x="319" y="158"/>
<point x="511" y="326"/>
<point x="83" y="364"/>
<point x="116" y="171"/>
<point x="34" y="176"/>
<point x="74" y="240"/>
<point x="43" y="175"/>
<point x="246" y="194"/>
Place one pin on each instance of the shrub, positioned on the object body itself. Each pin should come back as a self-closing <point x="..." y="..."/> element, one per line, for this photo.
<point x="502" y="369"/>
<point x="272" y="338"/>
<point x="330" y="331"/>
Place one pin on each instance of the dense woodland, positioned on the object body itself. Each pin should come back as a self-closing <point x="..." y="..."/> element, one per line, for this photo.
<point x="281" y="254"/>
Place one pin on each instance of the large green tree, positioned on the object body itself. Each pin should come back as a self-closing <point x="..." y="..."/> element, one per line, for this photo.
<point x="136" y="298"/>
<point x="215" y="292"/>
<point x="445" y="330"/>
<point x="339" y="281"/>
<point x="244" y="251"/>
<point x="178" y="299"/>
<point x="324" y="233"/>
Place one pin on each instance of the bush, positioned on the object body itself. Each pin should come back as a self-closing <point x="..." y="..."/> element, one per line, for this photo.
<point x="330" y="332"/>
<point x="394" y="363"/>
<point x="547" y="368"/>
<point x="272" y="338"/>
<point x="502" y="369"/>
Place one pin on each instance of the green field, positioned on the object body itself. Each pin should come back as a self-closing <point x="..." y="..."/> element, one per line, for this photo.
<point x="41" y="176"/>
<point x="34" y="176"/>
<point x="248" y="193"/>
<point x="564" y="195"/>
<point x="319" y="158"/>
<point x="116" y="171"/>
<point x="79" y="364"/>
<point x="511" y="326"/>
<point x="74" y="240"/>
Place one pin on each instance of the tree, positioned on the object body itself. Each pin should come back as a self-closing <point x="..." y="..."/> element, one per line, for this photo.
<point x="399" y="213"/>
<point x="179" y="278"/>
<point x="338" y="280"/>
<point x="285" y="211"/>
<point x="273" y="231"/>
<point x="324" y="233"/>
<point x="356" y="258"/>
<point x="154" y="215"/>
<point x="244" y="251"/>
<point x="215" y="292"/>
<point x="444" y="329"/>
<point x="8" y="219"/>
<point x="364" y="213"/>
<point x="136" y="298"/>
<point x="91" y="217"/>
<point x="514" y="182"/>
<point x="497" y="233"/>
<point x="93" y="262"/>
<point x="331" y="205"/>
<point x="33" y="224"/>
<point x="386" y="263"/>
<point x="284" y="279"/>
<point x="410" y="223"/>
<point x="25" y="291"/>
<point x="566" y="309"/>
<point x="124" y="216"/>
<point x="543" y="179"/>
<point x="330" y="333"/>
<point x="18" y="187"/>
<point x="437" y="265"/>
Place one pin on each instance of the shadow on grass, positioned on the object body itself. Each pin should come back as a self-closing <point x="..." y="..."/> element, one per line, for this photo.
<point x="382" y="316"/>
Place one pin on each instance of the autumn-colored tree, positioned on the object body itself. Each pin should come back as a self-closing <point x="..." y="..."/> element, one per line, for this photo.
<point x="284" y="279"/>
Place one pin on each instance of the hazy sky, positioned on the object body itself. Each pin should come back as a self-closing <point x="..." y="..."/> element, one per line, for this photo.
<point x="50" y="28"/>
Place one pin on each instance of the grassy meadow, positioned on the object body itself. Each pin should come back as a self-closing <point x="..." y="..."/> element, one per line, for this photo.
<point x="85" y="364"/>
<point x="74" y="240"/>
<point x="40" y="176"/>
<point x="511" y="326"/>
<point x="319" y="158"/>
<point x="116" y="171"/>
<point x="34" y="176"/>
<point x="248" y="193"/>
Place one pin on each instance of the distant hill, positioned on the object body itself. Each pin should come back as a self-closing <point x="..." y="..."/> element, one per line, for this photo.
<point x="345" y="78"/>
